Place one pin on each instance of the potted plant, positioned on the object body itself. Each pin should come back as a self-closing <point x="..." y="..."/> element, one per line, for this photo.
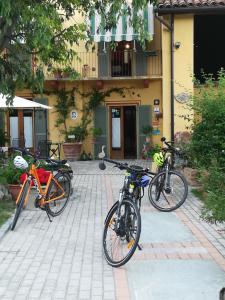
<point x="10" y="176"/>
<point x="96" y="132"/>
<point x="147" y="131"/>
<point x="70" y="73"/>
<point x="75" y="137"/>
<point x="57" y="72"/>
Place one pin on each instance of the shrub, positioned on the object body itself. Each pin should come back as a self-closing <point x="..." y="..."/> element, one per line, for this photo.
<point x="208" y="130"/>
<point x="206" y="149"/>
<point x="214" y="201"/>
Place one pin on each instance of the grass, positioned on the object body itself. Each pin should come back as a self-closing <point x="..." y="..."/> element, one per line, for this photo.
<point x="7" y="207"/>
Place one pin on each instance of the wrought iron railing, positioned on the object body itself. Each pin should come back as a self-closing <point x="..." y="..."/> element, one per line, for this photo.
<point x="101" y="65"/>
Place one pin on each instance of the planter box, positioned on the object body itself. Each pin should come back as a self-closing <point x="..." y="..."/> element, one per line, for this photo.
<point x="14" y="190"/>
<point x="72" y="151"/>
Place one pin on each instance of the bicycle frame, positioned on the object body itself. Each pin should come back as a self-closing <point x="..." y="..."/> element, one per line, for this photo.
<point x="32" y="174"/>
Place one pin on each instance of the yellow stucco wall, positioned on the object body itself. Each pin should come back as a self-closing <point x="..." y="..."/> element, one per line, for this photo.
<point x="159" y="88"/>
<point x="132" y="88"/>
<point x="183" y="70"/>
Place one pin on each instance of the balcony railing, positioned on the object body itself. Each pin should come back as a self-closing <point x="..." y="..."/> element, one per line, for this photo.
<point x="109" y="65"/>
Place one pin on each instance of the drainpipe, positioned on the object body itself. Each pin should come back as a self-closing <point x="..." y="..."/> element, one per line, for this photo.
<point x="170" y="27"/>
<point x="172" y="77"/>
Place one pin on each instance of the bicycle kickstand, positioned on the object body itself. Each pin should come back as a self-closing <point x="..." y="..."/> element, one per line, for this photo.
<point x="50" y="220"/>
<point x="140" y="247"/>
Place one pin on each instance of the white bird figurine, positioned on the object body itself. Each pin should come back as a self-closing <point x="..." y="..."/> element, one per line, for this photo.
<point x="102" y="153"/>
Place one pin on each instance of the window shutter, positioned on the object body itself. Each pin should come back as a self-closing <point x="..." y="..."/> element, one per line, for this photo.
<point x="100" y="121"/>
<point x="41" y="123"/>
<point x="145" y="118"/>
<point x="103" y="61"/>
<point x="2" y="123"/>
<point x="141" y="61"/>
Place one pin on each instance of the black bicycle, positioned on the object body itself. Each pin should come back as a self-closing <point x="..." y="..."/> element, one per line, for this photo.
<point x="168" y="190"/>
<point x="122" y="226"/>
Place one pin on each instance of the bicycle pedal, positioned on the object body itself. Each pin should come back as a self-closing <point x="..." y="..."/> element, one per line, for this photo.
<point x="140" y="247"/>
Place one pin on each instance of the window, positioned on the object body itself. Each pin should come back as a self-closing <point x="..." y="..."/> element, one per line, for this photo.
<point x="209" y="45"/>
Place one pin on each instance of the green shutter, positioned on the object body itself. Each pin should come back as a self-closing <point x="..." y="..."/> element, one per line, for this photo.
<point x="145" y="118"/>
<point x="2" y="123"/>
<point x="100" y="120"/>
<point x="41" y="123"/>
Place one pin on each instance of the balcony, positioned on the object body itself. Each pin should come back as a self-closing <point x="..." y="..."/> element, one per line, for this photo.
<point x="112" y="65"/>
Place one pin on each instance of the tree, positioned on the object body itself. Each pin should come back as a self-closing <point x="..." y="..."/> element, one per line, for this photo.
<point x="37" y="27"/>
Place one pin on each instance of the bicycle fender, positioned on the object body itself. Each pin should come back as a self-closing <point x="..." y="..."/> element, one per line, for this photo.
<point x="116" y="203"/>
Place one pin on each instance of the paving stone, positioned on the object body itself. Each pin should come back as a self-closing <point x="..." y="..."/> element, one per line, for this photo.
<point x="64" y="259"/>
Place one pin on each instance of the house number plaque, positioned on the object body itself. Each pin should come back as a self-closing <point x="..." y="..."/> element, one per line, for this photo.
<point x="182" y="97"/>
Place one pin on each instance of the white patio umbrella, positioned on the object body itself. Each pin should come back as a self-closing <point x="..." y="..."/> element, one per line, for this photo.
<point x="19" y="102"/>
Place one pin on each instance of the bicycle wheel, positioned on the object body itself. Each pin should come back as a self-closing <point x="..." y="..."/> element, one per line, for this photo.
<point x="121" y="236"/>
<point x="20" y="204"/>
<point x="168" y="194"/>
<point x="57" y="206"/>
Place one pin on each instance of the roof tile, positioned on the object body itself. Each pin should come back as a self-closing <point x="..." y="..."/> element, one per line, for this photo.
<point x="188" y="3"/>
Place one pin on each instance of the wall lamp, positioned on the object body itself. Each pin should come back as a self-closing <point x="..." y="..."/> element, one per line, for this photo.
<point x="177" y="45"/>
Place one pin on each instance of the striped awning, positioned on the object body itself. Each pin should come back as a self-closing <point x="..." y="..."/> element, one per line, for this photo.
<point x="123" y="30"/>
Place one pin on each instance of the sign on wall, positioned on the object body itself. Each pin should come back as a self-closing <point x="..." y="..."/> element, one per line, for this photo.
<point x="73" y="114"/>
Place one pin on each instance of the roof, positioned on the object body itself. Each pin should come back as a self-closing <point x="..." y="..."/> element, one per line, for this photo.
<point x="190" y="6"/>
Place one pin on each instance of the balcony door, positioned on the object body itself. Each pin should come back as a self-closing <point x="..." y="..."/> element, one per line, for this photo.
<point x="123" y="134"/>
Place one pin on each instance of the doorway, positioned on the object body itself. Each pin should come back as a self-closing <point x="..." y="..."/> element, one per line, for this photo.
<point x="123" y="136"/>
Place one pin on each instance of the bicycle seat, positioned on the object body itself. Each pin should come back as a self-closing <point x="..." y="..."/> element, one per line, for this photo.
<point x="56" y="162"/>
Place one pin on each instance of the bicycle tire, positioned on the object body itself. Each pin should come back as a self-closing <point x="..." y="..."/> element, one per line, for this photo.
<point x="169" y="198"/>
<point x="126" y="239"/>
<point x="56" y="207"/>
<point x="20" y="204"/>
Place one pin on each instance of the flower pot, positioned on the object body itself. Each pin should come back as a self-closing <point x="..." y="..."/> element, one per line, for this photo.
<point x="57" y="74"/>
<point x="14" y="190"/>
<point x="72" y="151"/>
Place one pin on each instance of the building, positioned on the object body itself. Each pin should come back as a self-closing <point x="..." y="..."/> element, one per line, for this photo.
<point x="155" y="82"/>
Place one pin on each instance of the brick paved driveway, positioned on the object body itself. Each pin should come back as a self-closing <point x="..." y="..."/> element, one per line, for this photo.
<point x="64" y="259"/>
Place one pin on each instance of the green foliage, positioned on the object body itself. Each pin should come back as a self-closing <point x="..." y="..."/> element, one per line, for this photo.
<point x="207" y="144"/>
<point x="64" y="103"/>
<point x="37" y="28"/>
<point x="214" y="200"/>
<point x="96" y="131"/>
<point x="70" y="73"/>
<point x="79" y="132"/>
<point x="147" y="130"/>
<point x="7" y="207"/>
<point x="206" y="149"/>
<point x="9" y="174"/>
<point x="153" y="149"/>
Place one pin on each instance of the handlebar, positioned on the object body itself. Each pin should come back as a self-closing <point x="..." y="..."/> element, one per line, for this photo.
<point x="23" y="151"/>
<point x="125" y="166"/>
<point x="170" y="147"/>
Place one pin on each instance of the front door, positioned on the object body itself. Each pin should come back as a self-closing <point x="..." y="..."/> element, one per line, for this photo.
<point x="123" y="139"/>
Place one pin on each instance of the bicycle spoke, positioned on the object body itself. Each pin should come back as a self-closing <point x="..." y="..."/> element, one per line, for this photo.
<point x="169" y="195"/>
